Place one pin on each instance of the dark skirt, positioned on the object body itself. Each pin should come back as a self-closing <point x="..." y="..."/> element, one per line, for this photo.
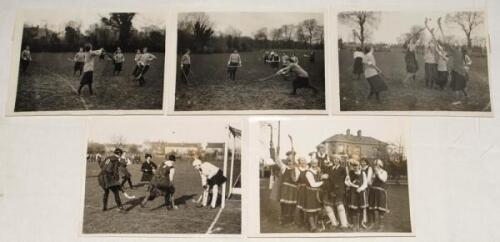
<point x="78" y="66"/>
<point x="147" y="176"/>
<point x="232" y="67"/>
<point x="312" y="200"/>
<point x="218" y="179"/>
<point x="107" y="181"/>
<point x="377" y="84"/>
<point x="357" y="200"/>
<point x="301" y="195"/>
<point x="301" y="82"/>
<point x="357" y="67"/>
<point x="87" y="78"/>
<point x="458" y="81"/>
<point x="377" y="199"/>
<point x="288" y="193"/>
<point x="118" y="66"/>
<point x="442" y="78"/>
<point x="430" y="72"/>
<point x="411" y="62"/>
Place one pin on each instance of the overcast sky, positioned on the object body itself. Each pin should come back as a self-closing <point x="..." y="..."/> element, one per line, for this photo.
<point x="137" y="130"/>
<point x="307" y="134"/>
<point x="249" y="23"/>
<point x="393" y="24"/>
<point x="57" y="20"/>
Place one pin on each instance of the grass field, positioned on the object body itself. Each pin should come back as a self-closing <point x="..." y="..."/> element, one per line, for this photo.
<point x="155" y="218"/>
<point x="49" y="85"/>
<point x="211" y="89"/>
<point x="354" y="93"/>
<point x="398" y="220"/>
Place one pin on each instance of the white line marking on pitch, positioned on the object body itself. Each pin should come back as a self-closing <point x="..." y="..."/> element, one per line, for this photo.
<point x="210" y="229"/>
<point x="70" y="86"/>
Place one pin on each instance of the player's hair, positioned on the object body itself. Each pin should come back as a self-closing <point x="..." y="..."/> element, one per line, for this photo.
<point x="87" y="47"/>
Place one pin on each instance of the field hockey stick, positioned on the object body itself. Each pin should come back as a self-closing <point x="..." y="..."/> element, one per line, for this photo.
<point x="267" y="77"/>
<point x="185" y="76"/>
<point x="70" y="59"/>
<point x="441" y="28"/>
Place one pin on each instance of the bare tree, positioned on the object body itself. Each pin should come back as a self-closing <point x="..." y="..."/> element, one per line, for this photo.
<point x="260" y="34"/>
<point x="361" y="21"/>
<point x="232" y="31"/>
<point x="468" y="21"/>
<point x="310" y="30"/>
<point x="287" y="31"/>
<point x="415" y="33"/>
<point x="118" y="141"/>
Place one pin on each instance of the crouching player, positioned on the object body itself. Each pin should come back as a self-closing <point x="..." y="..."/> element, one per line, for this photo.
<point x="378" y="196"/>
<point x="211" y="179"/>
<point x="162" y="183"/>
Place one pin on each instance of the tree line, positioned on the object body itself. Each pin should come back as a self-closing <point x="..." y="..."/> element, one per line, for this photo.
<point x="363" y="24"/>
<point x="196" y="32"/>
<point x="115" y="30"/>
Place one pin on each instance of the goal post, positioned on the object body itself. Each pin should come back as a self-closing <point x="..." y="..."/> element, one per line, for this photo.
<point x="232" y="163"/>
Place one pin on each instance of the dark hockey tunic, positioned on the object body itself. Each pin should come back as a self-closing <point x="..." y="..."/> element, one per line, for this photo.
<point x="288" y="191"/>
<point x="147" y="170"/>
<point x="357" y="200"/>
<point x="312" y="200"/>
<point x="378" y="196"/>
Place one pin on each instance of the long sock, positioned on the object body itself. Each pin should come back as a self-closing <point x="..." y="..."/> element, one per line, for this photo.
<point x="215" y="194"/>
<point x="312" y="222"/>
<point x="331" y="215"/>
<point x="342" y="215"/>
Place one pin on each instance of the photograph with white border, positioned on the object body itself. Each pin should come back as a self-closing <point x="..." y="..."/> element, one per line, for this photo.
<point x="172" y="177"/>
<point x="331" y="177"/>
<point x="87" y="62"/>
<point x="413" y="61"/>
<point x="248" y="61"/>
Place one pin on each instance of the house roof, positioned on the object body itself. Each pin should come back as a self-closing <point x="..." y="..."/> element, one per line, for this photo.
<point x="354" y="139"/>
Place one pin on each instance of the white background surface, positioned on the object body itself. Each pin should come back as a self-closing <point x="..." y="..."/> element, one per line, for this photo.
<point x="455" y="195"/>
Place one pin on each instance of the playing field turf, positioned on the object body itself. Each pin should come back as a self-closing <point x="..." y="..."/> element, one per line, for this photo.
<point x="49" y="85"/>
<point x="209" y="86"/>
<point x="354" y="93"/>
<point x="155" y="218"/>
<point x="398" y="220"/>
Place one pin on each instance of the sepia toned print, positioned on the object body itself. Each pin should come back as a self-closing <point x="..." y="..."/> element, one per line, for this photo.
<point x="413" y="61"/>
<point x="179" y="179"/>
<point x="335" y="176"/>
<point x="241" y="61"/>
<point x="83" y="61"/>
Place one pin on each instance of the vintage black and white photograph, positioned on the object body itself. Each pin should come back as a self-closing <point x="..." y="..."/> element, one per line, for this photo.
<point x="241" y="61"/>
<point x="413" y="61"/>
<point x="172" y="177"/>
<point x="319" y="177"/>
<point x="79" y="61"/>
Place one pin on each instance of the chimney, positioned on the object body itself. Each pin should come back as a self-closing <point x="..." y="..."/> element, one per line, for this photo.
<point x="348" y="132"/>
<point x="359" y="133"/>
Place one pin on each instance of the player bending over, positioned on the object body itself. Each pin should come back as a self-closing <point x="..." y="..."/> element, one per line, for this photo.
<point x="211" y="179"/>
<point x="302" y="79"/>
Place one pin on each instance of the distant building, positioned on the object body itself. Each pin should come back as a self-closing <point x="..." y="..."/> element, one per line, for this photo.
<point x="181" y="148"/>
<point x="348" y="144"/>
